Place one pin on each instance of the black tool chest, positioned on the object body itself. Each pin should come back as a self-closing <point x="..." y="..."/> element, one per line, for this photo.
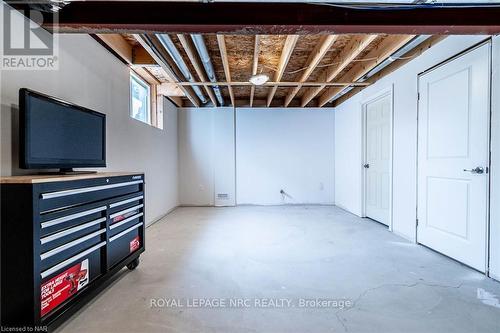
<point x="62" y="237"/>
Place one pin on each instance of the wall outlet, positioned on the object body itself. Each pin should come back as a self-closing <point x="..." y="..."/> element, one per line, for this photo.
<point x="321" y="186"/>
<point x="201" y="187"/>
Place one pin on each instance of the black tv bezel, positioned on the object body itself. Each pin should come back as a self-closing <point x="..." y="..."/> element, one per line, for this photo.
<point x="26" y="161"/>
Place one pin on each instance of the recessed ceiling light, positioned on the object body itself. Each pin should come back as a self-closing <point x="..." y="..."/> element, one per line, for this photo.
<point x="259" y="79"/>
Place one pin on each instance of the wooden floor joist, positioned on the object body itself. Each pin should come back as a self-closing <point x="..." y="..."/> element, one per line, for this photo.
<point x="225" y="63"/>
<point x="345" y="57"/>
<point x="255" y="64"/>
<point x="383" y="51"/>
<point x="131" y="55"/>
<point x="314" y="59"/>
<point x="286" y="53"/>
<point x="407" y="57"/>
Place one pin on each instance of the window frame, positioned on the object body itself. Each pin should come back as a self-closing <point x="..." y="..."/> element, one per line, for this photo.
<point x="139" y="80"/>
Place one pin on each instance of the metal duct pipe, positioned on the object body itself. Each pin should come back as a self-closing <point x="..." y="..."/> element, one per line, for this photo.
<point x="151" y="46"/>
<point x="199" y="43"/>
<point x="167" y="43"/>
<point x="399" y="53"/>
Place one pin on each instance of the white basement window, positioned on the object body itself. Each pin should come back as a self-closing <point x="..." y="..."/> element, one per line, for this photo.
<point x="140" y="99"/>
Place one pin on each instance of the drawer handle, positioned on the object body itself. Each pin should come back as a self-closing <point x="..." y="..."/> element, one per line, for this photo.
<point x="123" y="202"/>
<point x="124" y="232"/>
<point x="65" y="193"/>
<point x="71" y="217"/>
<point x="112" y="216"/>
<point x="66" y="246"/>
<point x="66" y="262"/>
<point x="116" y="225"/>
<point x="71" y="230"/>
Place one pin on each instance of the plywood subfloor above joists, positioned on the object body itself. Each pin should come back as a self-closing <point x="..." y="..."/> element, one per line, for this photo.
<point x="303" y="70"/>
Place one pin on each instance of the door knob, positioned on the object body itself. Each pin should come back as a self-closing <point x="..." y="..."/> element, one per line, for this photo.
<point x="366" y="166"/>
<point x="477" y="170"/>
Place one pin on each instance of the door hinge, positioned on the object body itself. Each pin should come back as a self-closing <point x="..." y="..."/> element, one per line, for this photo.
<point x="418" y="96"/>
<point x="417" y="222"/>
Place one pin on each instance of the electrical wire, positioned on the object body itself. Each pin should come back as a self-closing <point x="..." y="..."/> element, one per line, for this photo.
<point x="336" y="63"/>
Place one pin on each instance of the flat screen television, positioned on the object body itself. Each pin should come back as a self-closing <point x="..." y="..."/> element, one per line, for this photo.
<point x="58" y="134"/>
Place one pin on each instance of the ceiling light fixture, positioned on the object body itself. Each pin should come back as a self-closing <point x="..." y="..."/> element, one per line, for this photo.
<point x="259" y="79"/>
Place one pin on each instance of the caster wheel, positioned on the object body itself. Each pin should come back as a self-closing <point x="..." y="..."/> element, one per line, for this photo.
<point x="133" y="265"/>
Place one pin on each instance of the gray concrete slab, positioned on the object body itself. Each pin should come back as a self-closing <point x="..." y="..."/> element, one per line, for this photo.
<point x="263" y="255"/>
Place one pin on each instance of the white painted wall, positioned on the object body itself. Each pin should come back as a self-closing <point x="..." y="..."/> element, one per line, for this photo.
<point x="224" y="157"/>
<point x="206" y="156"/>
<point x="495" y="164"/>
<point x="348" y="161"/>
<point x="289" y="149"/>
<point x="89" y="75"/>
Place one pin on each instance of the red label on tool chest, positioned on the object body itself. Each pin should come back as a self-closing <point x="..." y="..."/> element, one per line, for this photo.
<point x="135" y="244"/>
<point x="124" y="216"/>
<point x="61" y="287"/>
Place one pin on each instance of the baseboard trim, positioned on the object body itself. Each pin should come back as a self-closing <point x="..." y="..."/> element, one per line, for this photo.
<point x="162" y="217"/>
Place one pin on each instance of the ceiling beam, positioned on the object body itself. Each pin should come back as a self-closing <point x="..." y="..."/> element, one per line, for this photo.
<point x="188" y="46"/>
<point x="383" y="51"/>
<point x="353" y="48"/>
<point x="155" y="52"/>
<point x="225" y="63"/>
<point x="313" y="61"/>
<point x="255" y="64"/>
<point x="268" y="18"/>
<point x="286" y="53"/>
<point x="274" y="84"/>
<point x="407" y="57"/>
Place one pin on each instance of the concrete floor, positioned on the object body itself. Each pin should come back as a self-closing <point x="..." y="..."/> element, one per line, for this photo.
<point x="275" y="255"/>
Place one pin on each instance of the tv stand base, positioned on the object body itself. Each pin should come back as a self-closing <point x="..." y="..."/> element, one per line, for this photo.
<point x="67" y="172"/>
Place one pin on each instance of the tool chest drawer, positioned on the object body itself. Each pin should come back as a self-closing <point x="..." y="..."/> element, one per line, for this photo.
<point x="64" y="219"/>
<point x="52" y="198"/>
<point x="124" y="243"/>
<point x="62" y="282"/>
<point x="67" y="250"/>
<point x="61" y="240"/>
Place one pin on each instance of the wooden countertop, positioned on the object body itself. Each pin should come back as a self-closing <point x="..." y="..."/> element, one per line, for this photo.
<point x="33" y="179"/>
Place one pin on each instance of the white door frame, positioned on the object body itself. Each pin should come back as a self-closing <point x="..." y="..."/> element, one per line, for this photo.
<point x="389" y="91"/>
<point x="488" y="174"/>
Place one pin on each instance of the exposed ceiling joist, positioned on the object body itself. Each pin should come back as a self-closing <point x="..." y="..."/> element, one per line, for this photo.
<point x="268" y="18"/>
<point x="407" y="57"/>
<point x="225" y="63"/>
<point x="146" y="75"/>
<point x="314" y="59"/>
<point x="189" y="48"/>
<point x="255" y="65"/>
<point x="160" y="59"/>
<point x="169" y="89"/>
<point x="132" y="55"/>
<point x="345" y="57"/>
<point x="274" y="84"/>
<point x="383" y="51"/>
<point x="286" y="53"/>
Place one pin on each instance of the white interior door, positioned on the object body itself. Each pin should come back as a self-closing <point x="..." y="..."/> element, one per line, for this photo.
<point x="378" y="158"/>
<point x="453" y="145"/>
